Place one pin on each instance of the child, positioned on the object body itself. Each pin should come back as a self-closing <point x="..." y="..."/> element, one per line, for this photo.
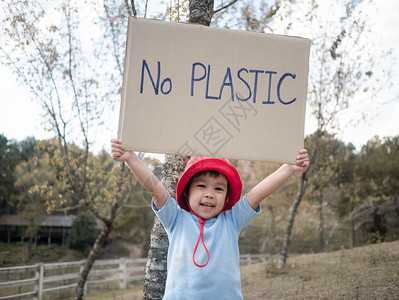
<point x="204" y="222"/>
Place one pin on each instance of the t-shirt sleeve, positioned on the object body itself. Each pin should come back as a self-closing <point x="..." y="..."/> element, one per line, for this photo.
<point x="242" y="213"/>
<point x="168" y="213"/>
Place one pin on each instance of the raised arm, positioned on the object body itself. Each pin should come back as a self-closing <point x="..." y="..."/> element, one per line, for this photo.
<point x="275" y="180"/>
<point x="143" y="174"/>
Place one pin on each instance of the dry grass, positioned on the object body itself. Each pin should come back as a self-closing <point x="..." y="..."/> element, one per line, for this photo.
<point x="134" y="293"/>
<point x="370" y="272"/>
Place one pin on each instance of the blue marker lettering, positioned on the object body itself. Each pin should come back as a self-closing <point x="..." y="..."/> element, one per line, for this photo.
<point x="196" y="79"/>
<point x="230" y="83"/>
<point x="279" y="86"/>
<point x="170" y="86"/>
<point x="246" y="83"/>
<point x="207" y="85"/>
<point x="270" y="86"/>
<point x="156" y="87"/>
<point x="256" y="81"/>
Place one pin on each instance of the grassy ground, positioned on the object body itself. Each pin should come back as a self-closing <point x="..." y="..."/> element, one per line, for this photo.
<point x="134" y="293"/>
<point x="370" y="272"/>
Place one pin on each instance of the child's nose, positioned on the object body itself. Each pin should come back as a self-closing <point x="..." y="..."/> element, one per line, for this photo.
<point x="209" y="194"/>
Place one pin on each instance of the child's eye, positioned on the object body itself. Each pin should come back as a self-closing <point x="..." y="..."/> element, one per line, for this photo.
<point x="201" y="185"/>
<point x="219" y="189"/>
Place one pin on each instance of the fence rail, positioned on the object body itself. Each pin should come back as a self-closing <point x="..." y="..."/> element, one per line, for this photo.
<point x="42" y="278"/>
<point x="250" y="259"/>
<point x="36" y="280"/>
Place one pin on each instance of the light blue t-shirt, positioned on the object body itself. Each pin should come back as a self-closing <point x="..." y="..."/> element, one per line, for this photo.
<point x="220" y="278"/>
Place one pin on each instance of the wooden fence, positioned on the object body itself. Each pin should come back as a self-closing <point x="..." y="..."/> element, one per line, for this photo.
<point x="35" y="281"/>
<point x="250" y="259"/>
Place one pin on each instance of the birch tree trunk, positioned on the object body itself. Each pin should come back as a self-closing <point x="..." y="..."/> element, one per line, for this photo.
<point x="313" y="160"/>
<point x="156" y="267"/>
<point x="288" y="232"/>
<point x="201" y="12"/>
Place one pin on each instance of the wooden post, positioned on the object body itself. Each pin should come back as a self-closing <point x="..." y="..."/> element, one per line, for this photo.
<point x="123" y="273"/>
<point x="39" y="281"/>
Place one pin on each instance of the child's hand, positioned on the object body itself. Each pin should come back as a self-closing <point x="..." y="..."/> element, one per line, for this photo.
<point x="302" y="161"/>
<point x="118" y="152"/>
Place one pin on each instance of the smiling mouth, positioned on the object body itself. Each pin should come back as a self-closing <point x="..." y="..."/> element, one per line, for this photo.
<point x="207" y="205"/>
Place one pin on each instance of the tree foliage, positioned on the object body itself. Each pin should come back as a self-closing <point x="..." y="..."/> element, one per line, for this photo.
<point x="83" y="232"/>
<point x="11" y="154"/>
<point x="71" y="64"/>
<point x="340" y="34"/>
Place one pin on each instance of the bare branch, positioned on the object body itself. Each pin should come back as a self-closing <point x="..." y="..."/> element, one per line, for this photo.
<point x="136" y="206"/>
<point x="145" y="10"/>
<point x="114" y="39"/>
<point x="224" y="7"/>
<point x="65" y="209"/>
<point x="133" y="8"/>
<point x="96" y="212"/>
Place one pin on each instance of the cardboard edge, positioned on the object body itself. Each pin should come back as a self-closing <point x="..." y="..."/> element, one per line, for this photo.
<point x="125" y="71"/>
<point x="308" y="44"/>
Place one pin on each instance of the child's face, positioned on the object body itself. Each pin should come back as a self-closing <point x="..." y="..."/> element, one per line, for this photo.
<point x="207" y="195"/>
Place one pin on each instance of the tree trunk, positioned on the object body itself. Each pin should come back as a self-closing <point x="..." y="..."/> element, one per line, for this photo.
<point x="397" y="218"/>
<point x="201" y="11"/>
<point x="155" y="272"/>
<point x="321" y="223"/>
<point x="291" y="218"/>
<point x="102" y="237"/>
<point x="29" y="249"/>
<point x="156" y="267"/>
<point x="353" y="231"/>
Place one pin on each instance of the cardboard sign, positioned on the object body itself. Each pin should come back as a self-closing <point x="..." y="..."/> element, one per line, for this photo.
<point x="195" y="90"/>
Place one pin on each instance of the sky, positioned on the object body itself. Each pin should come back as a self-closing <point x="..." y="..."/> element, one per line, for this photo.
<point x="20" y="117"/>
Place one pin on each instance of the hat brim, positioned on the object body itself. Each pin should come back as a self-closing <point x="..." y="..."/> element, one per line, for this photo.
<point x="220" y="165"/>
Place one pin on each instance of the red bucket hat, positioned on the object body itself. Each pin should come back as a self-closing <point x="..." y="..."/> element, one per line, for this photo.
<point x="223" y="166"/>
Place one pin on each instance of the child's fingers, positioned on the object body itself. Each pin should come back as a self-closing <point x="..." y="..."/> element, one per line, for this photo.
<point x="116" y="155"/>
<point x="304" y="163"/>
<point x="116" y="151"/>
<point x="302" y="157"/>
<point x="117" y="145"/>
<point x="302" y="154"/>
<point x="303" y="151"/>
